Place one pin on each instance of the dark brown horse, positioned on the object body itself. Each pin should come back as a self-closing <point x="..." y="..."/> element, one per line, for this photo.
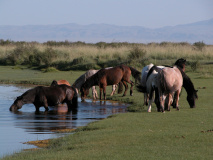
<point x="105" y="77"/>
<point x="47" y="96"/>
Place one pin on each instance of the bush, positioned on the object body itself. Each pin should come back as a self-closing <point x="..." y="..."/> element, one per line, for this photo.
<point x="195" y="65"/>
<point x="199" y="45"/>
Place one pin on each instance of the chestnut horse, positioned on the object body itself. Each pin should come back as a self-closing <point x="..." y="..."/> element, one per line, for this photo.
<point x="47" y="96"/>
<point x="81" y="80"/>
<point x="111" y="76"/>
<point x="62" y="81"/>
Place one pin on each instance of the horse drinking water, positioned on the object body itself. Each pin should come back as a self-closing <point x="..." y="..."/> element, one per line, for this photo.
<point x="47" y="96"/>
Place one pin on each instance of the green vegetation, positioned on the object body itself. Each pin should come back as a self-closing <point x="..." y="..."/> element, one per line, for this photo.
<point x="184" y="134"/>
<point x="67" y="55"/>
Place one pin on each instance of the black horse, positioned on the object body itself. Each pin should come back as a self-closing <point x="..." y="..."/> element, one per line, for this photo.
<point x="47" y="96"/>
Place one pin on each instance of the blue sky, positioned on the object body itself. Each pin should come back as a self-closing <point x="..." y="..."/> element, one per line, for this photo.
<point x="146" y="13"/>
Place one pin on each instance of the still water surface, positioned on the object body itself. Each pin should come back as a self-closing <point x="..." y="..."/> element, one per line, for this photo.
<point x="27" y="125"/>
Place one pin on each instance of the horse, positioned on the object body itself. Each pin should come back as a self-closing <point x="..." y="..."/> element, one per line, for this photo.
<point x="62" y="81"/>
<point x="190" y="90"/>
<point x="47" y="96"/>
<point x="110" y="76"/>
<point x="147" y="85"/>
<point x="169" y="81"/>
<point x="80" y="81"/>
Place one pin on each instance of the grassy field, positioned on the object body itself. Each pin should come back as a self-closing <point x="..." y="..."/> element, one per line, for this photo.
<point x="184" y="134"/>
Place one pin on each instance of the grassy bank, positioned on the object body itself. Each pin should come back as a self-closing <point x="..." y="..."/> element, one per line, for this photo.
<point x="184" y="134"/>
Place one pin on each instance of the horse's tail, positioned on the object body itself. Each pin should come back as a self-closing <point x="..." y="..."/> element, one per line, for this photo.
<point x="120" y="87"/>
<point x="75" y="97"/>
<point x="141" y="88"/>
<point x="136" y="74"/>
<point x="162" y="82"/>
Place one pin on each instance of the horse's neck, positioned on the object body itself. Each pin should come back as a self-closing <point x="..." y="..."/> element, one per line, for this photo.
<point x="187" y="84"/>
<point x="79" y="82"/>
<point x="91" y="81"/>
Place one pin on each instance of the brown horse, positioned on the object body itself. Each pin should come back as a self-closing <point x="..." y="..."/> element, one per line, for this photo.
<point x="47" y="96"/>
<point x="105" y="77"/>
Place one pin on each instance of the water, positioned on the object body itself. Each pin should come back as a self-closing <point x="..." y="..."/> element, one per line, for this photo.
<point x="27" y="125"/>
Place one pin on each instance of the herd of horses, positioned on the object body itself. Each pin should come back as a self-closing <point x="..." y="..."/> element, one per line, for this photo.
<point x="165" y="82"/>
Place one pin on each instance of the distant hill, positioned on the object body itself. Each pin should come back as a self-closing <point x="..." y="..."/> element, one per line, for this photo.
<point x="193" y="32"/>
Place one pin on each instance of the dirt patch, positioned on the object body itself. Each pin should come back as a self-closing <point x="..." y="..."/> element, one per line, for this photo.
<point x="39" y="143"/>
<point x="63" y="130"/>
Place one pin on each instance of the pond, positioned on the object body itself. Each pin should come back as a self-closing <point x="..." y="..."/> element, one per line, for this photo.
<point x="28" y="125"/>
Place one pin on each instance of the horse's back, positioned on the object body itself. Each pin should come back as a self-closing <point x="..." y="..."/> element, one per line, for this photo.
<point x="63" y="82"/>
<point x="172" y="78"/>
<point x="145" y="71"/>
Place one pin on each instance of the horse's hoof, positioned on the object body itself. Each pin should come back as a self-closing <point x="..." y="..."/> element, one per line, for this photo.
<point x="149" y="111"/>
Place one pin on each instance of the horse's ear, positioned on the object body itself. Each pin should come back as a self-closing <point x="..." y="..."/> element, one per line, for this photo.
<point x="54" y="83"/>
<point x="19" y="97"/>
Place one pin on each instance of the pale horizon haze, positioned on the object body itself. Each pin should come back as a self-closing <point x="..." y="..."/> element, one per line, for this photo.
<point x="145" y="13"/>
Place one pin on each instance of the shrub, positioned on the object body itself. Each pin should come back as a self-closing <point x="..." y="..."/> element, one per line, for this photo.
<point x="194" y="65"/>
<point x="199" y="45"/>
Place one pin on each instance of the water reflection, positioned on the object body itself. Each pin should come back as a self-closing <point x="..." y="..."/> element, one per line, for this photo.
<point x="27" y="125"/>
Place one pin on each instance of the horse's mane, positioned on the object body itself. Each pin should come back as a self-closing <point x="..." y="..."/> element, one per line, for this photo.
<point x="91" y="81"/>
<point x="79" y="82"/>
<point x="135" y="73"/>
<point x="187" y="83"/>
<point x="181" y="63"/>
<point x="154" y="68"/>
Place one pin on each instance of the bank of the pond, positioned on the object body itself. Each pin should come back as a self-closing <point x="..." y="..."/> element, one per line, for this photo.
<point x="139" y="135"/>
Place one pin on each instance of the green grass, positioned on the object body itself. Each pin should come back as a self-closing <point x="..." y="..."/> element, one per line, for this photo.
<point x="135" y="135"/>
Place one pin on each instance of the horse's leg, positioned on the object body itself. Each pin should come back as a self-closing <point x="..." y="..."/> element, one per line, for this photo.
<point x="104" y="92"/>
<point x="150" y="100"/>
<point x="174" y="100"/>
<point x="37" y="108"/>
<point x="96" y="93"/>
<point x="162" y="98"/>
<point x="126" y="87"/>
<point x="69" y="105"/>
<point x="101" y="89"/>
<point x="177" y="98"/>
<point x="157" y="102"/>
<point x="113" y="89"/>
<point x="93" y="92"/>
<point x="45" y="104"/>
<point x="168" y="101"/>
<point x="131" y="91"/>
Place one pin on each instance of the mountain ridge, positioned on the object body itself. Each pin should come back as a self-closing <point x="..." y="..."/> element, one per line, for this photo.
<point x="92" y="33"/>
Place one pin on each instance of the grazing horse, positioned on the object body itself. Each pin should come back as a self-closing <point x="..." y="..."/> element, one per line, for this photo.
<point x="110" y="76"/>
<point x="47" y="96"/>
<point x="190" y="90"/>
<point x="80" y="81"/>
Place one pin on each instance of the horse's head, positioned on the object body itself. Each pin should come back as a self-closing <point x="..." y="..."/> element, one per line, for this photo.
<point x="191" y="98"/>
<point x="181" y="63"/>
<point x="54" y="83"/>
<point x="84" y="92"/>
<point x="17" y="104"/>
